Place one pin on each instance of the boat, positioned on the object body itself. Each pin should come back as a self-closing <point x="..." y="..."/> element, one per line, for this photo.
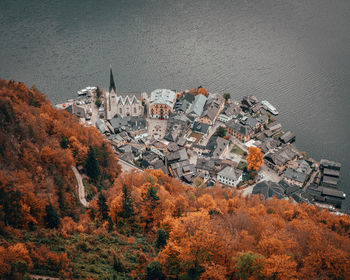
<point x="269" y="107"/>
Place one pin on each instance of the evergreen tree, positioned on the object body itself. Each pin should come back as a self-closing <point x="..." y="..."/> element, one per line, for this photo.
<point x="128" y="209"/>
<point x="117" y="264"/>
<point x="103" y="206"/>
<point x="51" y="217"/>
<point x="64" y="142"/>
<point x="161" y="238"/>
<point x="91" y="165"/>
<point x="227" y="96"/>
<point x="152" y="196"/>
<point x="220" y="131"/>
<point x="154" y="271"/>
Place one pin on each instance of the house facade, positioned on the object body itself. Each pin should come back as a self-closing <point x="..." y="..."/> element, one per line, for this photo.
<point x="230" y="176"/>
<point x="161" y="104"/>
<point x="212" y="109"/>
<point x="240" y="131"/>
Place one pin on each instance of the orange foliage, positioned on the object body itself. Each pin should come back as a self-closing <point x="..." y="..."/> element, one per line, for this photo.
<point x="254" y="158"/>
<point x="35" y="169"/>
<point x="202" y="90"/>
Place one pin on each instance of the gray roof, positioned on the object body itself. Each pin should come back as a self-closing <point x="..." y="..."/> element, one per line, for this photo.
<point x="294" y="175"/>
<point x="198" y="104"/>
<point x="331" y="172"/>
<point x="200" y="127"/>
<point x="268" y="189"/>
<point x="213" y="106"/>
<point x="242" y="129"/>
<point x="252" y="122"/>
<point x="100" y="124"/>
<point x="333" y="192"/>
<point x="217" y="145"/>
<point x="325" y="163"/>
<point x="232" y="109"/>
<point x="231" y="173"/>
<point x="76" y="110"/>
<point x="303" y="166"/>
<point x="163" y="96"/>
<point x="183" y="106"/>
<point x="287" y="137"/>
<point x="274" y="126"/>
<point x="328" y="180"/>
<point x="128" y="123"/>
<point x="282" y="155"/>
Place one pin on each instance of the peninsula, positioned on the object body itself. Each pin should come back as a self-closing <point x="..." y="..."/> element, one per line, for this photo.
<point x="204" y="139"/>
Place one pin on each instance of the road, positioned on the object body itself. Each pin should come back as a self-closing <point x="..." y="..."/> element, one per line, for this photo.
<point x="126" y="166"/>
<point x="80" y="187"/>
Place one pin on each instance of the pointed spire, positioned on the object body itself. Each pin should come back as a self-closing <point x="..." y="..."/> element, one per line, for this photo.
<point x="111" y="81"/>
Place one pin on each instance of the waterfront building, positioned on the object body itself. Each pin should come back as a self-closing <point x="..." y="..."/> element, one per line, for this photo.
<point x="212" y="109"/>
<point x="123" y="104"/>
<point x="161" y="103"/>
<point x="241" y="131"/>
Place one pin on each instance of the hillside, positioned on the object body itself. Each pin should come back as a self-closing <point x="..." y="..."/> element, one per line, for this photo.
<point x="140" y="225"/>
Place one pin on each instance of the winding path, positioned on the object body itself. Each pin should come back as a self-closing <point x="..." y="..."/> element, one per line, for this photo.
<point x="80" y="187"/>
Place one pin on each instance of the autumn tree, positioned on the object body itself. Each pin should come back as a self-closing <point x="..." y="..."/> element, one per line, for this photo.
<point x="202" y="90"/>
<point x="254" y="158"/>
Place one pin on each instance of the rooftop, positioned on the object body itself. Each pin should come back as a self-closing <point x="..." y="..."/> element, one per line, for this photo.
<point x="163" y="96"/>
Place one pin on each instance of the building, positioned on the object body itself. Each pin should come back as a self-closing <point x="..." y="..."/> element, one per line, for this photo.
<point x="212" y="109"/>
<point x="294" y="177"/>
<point x="230" y="111"/>
<point x="239" y="130"/>
<point x="198" y="105"/>
<point x="217" y="146"/>
<point x="80" y="112"/>
<point x="123" y="104"/>
<point x="161" y="103"/>
<point x="278" y="158"/>
<point x="230" y="176"/>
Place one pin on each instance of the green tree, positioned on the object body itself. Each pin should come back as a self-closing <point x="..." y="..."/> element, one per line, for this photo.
<point x="103" y="206"/>
<point x="117" y="264"/>
<point x="98" y="92"/>
<point x="227" y="96"/>
<point x="154" y="271"/>
<point x="249" y="265"/>
<point x="128" y="209"/>
<point x="98" y="102"/>
<point x="64" y="142"/>
<point x="91" y="165"/>
<point x="161" y="238"/>
<point x="51" y="218"/>
<point x="220" y="131"/>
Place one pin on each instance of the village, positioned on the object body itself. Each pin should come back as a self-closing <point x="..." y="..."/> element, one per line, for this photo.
<point x="203" y="139"/>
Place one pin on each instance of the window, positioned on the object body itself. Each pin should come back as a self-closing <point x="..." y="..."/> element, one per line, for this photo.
<point x="120" y="110"/>
<point x="134" y="110"/>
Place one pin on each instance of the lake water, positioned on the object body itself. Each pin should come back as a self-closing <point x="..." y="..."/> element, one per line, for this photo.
<point x="295" y="53"/>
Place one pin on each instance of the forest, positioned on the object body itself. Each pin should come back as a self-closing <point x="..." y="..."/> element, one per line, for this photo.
<point x="140" y="225"/>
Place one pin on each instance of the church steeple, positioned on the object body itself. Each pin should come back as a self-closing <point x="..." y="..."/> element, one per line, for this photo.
<point x="111" y="81"/>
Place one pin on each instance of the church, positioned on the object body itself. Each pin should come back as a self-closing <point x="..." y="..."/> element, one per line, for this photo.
<point x="123" y="104"/>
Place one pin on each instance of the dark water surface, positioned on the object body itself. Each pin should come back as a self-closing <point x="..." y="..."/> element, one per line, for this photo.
<point x="295" y="53"/>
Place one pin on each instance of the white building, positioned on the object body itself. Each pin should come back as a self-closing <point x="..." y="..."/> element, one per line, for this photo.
<point x="123" y="104"/>
<point x="161" y="103"/>
<point x="230" y="176"/>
